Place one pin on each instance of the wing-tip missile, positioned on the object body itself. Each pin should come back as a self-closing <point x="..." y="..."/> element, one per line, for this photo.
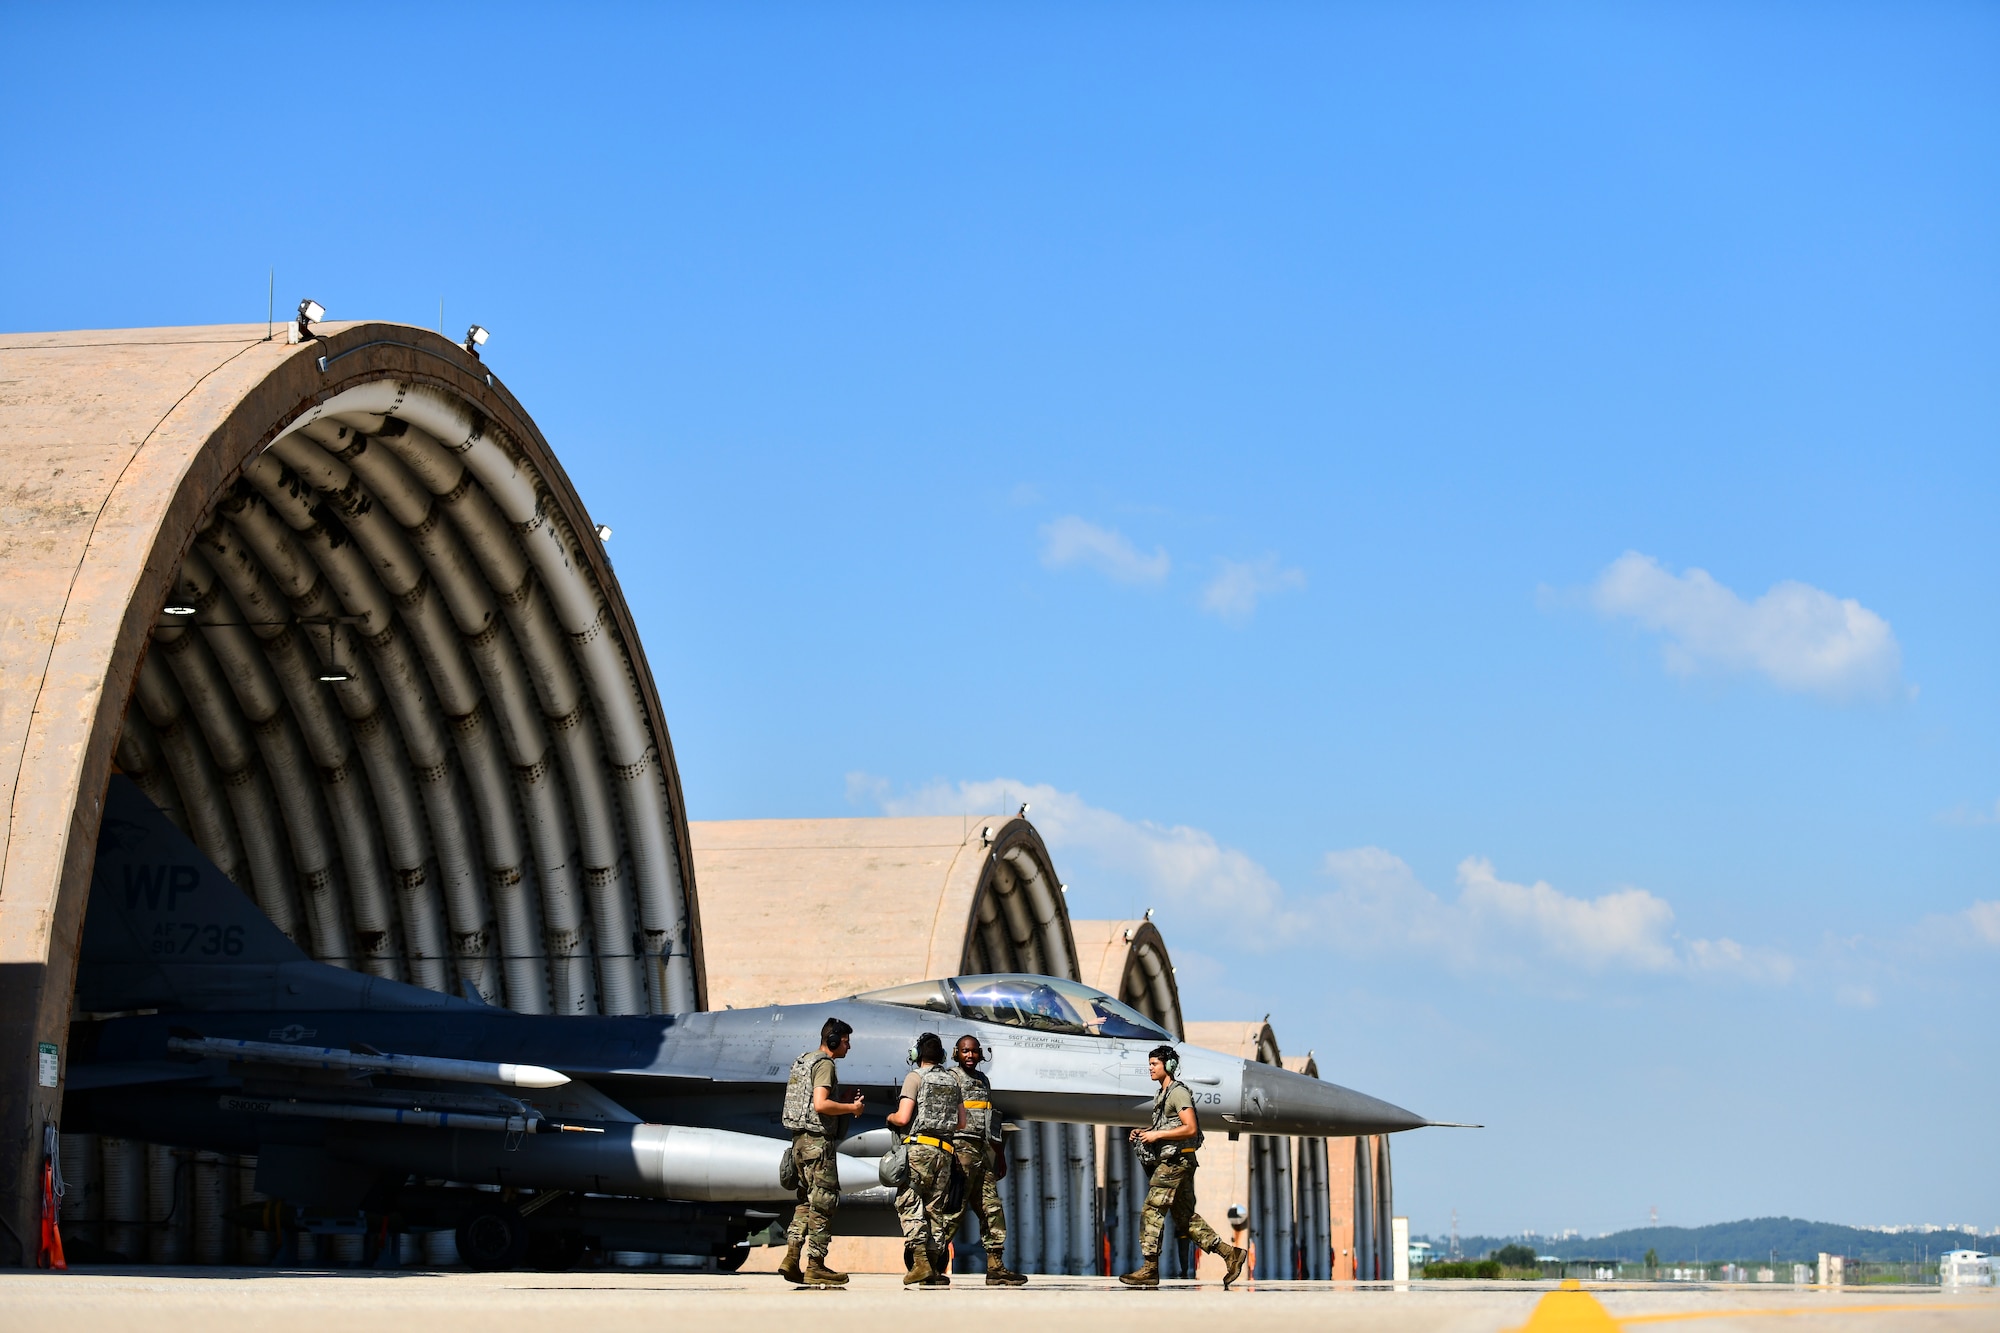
<point x="331" y="1057"/>
<point x="531" y="1076"/>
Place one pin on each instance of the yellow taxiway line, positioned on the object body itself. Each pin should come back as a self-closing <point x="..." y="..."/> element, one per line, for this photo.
<point x="1571" y="1309"/>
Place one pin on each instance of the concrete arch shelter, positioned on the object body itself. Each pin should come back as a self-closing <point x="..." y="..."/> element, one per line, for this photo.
<point x="335" y="607"/>
<point x="805" y="909"/>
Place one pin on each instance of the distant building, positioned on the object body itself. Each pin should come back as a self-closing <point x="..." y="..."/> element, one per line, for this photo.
<point x="1966" y="1268"/>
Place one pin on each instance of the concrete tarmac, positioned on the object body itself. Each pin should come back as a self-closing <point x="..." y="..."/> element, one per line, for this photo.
<point x="264" y="1300"/>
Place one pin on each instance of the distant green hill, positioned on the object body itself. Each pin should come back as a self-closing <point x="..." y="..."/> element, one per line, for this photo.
<point x="1791" y="1239"/>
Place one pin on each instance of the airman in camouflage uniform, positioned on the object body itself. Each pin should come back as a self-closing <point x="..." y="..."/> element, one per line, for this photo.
<point x="1167" y="1149"/>
<point x="984" y="1161"/>
<point x="929" y="1110"/>
<point x="818" y="1121"/>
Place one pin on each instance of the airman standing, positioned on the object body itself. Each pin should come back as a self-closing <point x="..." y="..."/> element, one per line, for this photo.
<point x="930" y="1111"/>
<point x="1167" y="1151"/>
<point x="818" y="1121"/>
<point x="984" y="1161"/>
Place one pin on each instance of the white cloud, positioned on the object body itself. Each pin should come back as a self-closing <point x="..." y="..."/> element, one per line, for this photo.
<point x="1978" y="927"/>
<point x="1984" y="921"/>
<point x="1798" y="636"/>
<point x="1726" y="955"/>
<point x="1234" y="592"/>
<point x="1629" y="927"/>
<point x="1173" y="864"/>
<point x="1379" y="905"/>
<point x="1074" y="541"/>
<point x="1970" y="816"/>
<point x="1857" y="997"/>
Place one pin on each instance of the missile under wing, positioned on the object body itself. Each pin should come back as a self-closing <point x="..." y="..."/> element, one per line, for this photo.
<point x="199" y="1024"/>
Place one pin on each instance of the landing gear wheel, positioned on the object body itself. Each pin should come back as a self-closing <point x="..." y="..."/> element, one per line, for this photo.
<point x="556" y="1251"/>
<point x="493" y="1238"/>
<point x="732" y="1259"/>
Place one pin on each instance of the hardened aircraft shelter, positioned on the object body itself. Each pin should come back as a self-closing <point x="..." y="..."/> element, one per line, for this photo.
<point x="335" y="607"/>
<point x="815" y="909"/>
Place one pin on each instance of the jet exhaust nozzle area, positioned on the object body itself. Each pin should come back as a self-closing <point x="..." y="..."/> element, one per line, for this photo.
<point x="1278" y="1101"/>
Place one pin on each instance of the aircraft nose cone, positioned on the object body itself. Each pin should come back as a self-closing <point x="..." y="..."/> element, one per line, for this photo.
<point x="1277" y="1101"/>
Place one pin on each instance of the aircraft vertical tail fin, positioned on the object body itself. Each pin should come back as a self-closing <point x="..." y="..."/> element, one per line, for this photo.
<point x="166" y="929"/>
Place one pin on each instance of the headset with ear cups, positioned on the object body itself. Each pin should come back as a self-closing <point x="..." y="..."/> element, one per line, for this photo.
<point x="1173" y="1064"/>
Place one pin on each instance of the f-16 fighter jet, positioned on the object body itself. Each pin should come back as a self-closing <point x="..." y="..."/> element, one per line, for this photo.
<point x="201" y="1025"/>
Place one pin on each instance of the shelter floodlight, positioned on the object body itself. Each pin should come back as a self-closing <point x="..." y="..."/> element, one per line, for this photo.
<point x="301" y="329"/>
<point x="604" y="532"/>
<point x="475" y="338"/>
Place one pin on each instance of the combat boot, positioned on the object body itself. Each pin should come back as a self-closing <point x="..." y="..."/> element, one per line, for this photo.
<point x="1145" y="1275"/>
<point x="1236" y="1257"/>
<point x="920" y="1268"/>
<point x="999" y="1275"/>
<point x="819" y="1275"/>
<point x="940" y="1269"/>
<point x="788" y="1268"/>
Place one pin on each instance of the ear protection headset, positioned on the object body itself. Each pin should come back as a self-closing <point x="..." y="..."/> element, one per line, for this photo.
<point x="1173" y="1065"/>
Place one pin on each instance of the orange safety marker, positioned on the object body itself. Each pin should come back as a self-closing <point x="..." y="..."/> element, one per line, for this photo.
<point x="1569" y="1309"/>
<point x="50" y="1254"/>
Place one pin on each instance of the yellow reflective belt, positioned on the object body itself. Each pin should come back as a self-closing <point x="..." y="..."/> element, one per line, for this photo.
<point x="925" y="1138"/>
<point x="979" y="1106"/>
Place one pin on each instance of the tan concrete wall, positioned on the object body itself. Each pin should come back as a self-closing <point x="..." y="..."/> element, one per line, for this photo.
<point x="1340" y="1204"/>
<point x="813" y="909"/>
<point x="106" y="449"/>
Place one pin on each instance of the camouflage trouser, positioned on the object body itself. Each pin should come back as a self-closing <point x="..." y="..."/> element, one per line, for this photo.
<point x="981" y="1190"/>
<point x="1172" y="1191"/>
<point x="920" y="1204"/>
<point x="819" y="1194"/>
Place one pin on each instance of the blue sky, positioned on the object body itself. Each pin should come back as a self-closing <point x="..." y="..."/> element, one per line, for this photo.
<point x="1481" y="516"/>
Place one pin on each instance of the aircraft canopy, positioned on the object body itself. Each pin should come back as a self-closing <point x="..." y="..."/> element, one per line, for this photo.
<point x="1024" y="1000"/>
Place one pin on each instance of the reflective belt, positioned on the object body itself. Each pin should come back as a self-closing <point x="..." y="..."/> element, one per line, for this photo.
<point x="979" y="1106"/>
<point x="927" y="1139"/>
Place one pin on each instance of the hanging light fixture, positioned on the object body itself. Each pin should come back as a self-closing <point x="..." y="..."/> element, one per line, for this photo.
<point x="334" y="673"/>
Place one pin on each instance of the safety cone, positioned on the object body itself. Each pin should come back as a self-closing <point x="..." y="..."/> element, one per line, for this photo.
<point x="50" y="1255"/>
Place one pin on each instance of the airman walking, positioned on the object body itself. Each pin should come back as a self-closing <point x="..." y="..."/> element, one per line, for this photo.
<point x="1167" y="1150"/>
